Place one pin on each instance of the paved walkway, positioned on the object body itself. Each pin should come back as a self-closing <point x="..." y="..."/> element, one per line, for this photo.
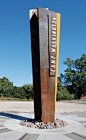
<point x="11" y="113"/>
<point x="25" y="106"/>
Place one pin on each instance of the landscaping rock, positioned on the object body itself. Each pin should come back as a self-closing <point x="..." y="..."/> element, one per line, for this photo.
<point x="41" y="125"/>
<point x="48" y="127"/>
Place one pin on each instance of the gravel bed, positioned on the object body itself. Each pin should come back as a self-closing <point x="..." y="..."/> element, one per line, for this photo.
<point x="41" y="125"/>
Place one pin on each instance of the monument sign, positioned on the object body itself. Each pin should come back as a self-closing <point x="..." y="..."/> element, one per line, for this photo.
<point x="45" y="32"/>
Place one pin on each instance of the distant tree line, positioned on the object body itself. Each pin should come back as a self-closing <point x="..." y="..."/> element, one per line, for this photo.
<point x="8" y="90"/>
<point x="71" y="85"/>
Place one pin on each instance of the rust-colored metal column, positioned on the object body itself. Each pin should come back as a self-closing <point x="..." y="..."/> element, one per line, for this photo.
<point x="44" y="59"/>
<point x="35" y="63"/>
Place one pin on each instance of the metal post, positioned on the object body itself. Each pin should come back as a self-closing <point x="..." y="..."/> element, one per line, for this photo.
<point x="45" y="48"/>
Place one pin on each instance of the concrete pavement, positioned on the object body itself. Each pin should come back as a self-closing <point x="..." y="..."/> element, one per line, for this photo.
<point x="10" y="129"/>
<point x="28" y="106"/>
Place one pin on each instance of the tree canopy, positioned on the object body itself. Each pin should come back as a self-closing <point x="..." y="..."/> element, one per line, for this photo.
<point x="8" y="90"/>
<point x="75" y="76"/>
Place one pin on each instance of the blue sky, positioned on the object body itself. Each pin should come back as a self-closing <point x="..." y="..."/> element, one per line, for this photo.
<point x="15" y="45"/>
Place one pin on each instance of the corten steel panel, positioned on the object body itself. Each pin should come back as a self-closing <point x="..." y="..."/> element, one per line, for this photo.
<point x="43" y="38"/>
<point x="36" y="65"/>
<point x="47" y="96"/>
<point x="43" y="77"/>
<point x="47" y="81"/>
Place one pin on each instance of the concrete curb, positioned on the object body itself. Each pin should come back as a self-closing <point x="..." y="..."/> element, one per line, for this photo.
<point x="73" y="126"/>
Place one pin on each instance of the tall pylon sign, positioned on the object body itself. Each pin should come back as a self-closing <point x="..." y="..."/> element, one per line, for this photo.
<point x="45" y="34"/>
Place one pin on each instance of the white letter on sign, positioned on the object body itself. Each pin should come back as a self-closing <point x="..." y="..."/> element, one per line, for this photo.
<point x="53" y="50"/>
<point x="53" y="18"/>
<point x="52" y="70"/>
<point x="53" y="61"/>
<point x="52" y="66"/>
<point x="53" y="38"/>
<point x="54" y="29"/>
<point x="52" y="57"/>
<point x="53" y="42"/>
<point x="54" y="22"/>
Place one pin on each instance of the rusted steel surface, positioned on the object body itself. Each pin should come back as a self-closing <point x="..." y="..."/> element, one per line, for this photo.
<point x="36" y="65"/>
<point x="43" y="63"/>
<point x="43" y="35"/>
<point x="47" y="96"/>
<point x="47" y="78"/>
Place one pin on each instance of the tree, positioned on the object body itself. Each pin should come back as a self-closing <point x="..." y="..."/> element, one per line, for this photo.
<point x="75" y="75"/>
<point x="8" y="90"/>
<point x="29" y="91"/>
<point x="5" y="86"/>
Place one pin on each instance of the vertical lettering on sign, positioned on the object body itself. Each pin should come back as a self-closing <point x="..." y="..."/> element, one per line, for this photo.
<point x="53" y="45"/>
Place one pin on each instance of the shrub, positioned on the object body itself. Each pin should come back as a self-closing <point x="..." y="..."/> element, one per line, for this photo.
<point x="59" y="95"/>
<point x="63" y="93"/>
<point x="64" y="96"/>
<point x="29" y="91"/>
